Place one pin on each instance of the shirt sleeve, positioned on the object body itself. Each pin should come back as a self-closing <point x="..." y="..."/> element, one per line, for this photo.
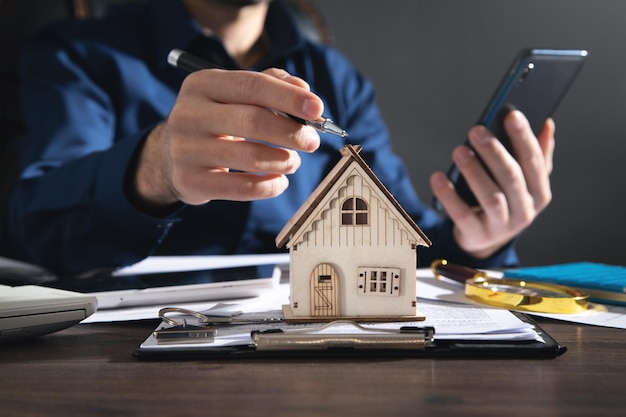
<point x="69" y="211"/>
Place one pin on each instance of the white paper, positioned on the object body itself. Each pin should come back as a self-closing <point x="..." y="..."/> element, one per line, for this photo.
<point x="452" y="321"/>
<point x="269" y="300"/>
<point x="161" y="264"/>
<point x="428" y="287"/>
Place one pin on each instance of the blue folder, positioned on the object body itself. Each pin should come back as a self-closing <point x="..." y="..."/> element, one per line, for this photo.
<point x="604" y="283"/>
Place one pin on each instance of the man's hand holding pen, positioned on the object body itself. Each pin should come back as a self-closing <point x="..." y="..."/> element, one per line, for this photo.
<point x="222" y="141"/>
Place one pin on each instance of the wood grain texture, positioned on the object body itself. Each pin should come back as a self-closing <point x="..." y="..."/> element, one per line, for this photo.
<point x="89" y="370"/>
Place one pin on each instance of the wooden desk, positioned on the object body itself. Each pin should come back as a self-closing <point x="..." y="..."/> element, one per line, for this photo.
<point x="89" y="370"/>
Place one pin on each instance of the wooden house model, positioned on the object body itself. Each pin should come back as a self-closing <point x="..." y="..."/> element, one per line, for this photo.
<point x="352" y="249"/>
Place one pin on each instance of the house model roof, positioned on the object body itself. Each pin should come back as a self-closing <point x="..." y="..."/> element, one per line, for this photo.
<point x="350" y="155"/>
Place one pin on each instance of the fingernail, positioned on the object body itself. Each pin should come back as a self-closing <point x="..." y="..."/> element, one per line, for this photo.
<point x="310" y="107"/>
<point x="311" y="138"/>
<point x="438" y="180"/>
<point x="517" y="120"/>
<point x="463" y="155"/>
<point x="284" y="183"/>
<point x="481" y="135"/>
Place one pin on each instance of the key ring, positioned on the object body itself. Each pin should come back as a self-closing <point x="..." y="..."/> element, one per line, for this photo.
<point x="162" y="315"/>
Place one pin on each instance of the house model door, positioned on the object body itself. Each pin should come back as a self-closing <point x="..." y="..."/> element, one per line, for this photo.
<point x="324" y="291"/>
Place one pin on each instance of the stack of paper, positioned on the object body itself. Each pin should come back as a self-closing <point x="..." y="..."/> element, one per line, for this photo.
<point x="451" y="321"/>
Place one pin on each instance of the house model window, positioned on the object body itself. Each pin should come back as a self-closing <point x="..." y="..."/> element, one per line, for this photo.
<point x="379" y="281"/>
<point x="354" y="212"/>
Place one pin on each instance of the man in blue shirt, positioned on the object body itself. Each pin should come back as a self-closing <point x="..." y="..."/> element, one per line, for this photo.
<point x="126" y="157"/>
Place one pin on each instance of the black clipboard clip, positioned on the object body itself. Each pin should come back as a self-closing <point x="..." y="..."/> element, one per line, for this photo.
<point x="346" y="335"/>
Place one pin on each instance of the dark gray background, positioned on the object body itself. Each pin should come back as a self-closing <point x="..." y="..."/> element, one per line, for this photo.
<point x="436" y="63"/>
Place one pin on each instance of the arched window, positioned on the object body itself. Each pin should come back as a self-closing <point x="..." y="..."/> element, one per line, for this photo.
<point x="354" y="212"/>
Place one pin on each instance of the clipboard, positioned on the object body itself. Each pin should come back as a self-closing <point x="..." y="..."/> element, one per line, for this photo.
<point x="277" y="340"/>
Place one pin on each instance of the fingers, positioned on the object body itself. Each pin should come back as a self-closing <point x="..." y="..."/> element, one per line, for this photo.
<point x="534" y="156"/>
<point x="241" y="104"/>
<point x="258" y="123"/>
<point x="224" y="139"/>
<point x="272" y="89"/>
<point x="523" y="180"/>
<point x="170" y="170"/>
<point x="236" y="154"/>
<point x="512" y="197"/>
<point x="199" y="186"/>
<point x="283" y="75"/>
<point x="472" y="230"/>
<point x="547" y="143"/>
<point x="455" y="207"/>
<point x="505" y="194"/>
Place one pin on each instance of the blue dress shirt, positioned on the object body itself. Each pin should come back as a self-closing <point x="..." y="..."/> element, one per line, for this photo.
<point x="90" y="92"/>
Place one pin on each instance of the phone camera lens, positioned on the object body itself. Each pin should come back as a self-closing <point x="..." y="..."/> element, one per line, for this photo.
<point x="525" y="72"/>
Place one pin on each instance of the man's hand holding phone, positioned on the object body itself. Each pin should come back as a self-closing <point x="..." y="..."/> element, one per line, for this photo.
<point x="512" y="197"/>
<point x="499" y="181"/>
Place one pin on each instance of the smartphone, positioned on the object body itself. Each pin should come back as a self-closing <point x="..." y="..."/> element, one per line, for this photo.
<point x="534" y="84"/>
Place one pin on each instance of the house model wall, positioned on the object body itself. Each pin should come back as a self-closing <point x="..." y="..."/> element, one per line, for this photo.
<point x="352" y="249"/>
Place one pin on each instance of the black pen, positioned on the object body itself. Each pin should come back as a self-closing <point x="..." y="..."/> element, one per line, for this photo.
<point x="184" y="60"/>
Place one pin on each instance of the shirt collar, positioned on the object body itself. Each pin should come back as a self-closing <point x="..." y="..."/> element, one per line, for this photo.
<point x="174" y="28"/>
<point x="282" y="30"/>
